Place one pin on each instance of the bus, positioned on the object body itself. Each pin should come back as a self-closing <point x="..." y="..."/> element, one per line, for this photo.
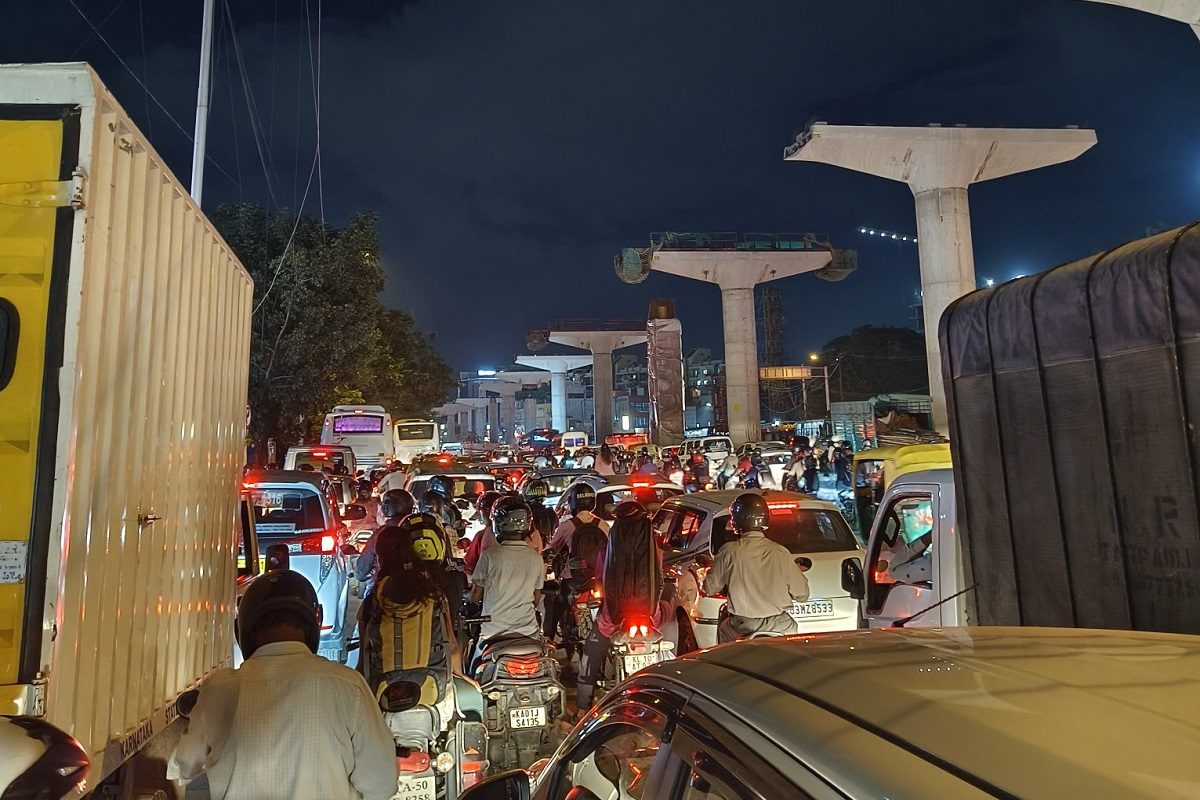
<point x="366" y="429"/>
<point x="416" y="437"/>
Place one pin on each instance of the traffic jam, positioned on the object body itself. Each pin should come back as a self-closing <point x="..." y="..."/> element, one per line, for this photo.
<point x="259" y="540"/>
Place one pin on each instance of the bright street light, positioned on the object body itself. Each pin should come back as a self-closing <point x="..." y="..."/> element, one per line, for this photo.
<point x="989" y="282"/>
<point x="814" y="357"/>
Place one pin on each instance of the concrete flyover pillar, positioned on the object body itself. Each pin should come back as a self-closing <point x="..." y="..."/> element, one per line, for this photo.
<point x="601" y="344"/>
<point x="938" y="164"/>
<point x="737" y="272"/>
<point x="558" y="367"/>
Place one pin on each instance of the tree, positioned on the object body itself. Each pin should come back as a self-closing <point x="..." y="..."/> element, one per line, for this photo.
<point x="873" y="360"/>
<point x="319" y="334"/>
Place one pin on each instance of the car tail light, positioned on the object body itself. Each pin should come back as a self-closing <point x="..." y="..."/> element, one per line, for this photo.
<point x="319" y="544"/>
<point x="327" y="543"/>
<point x="521" y="668"/>
<point x="782" y="508"/>
<point x="412" y="761"/>
<point x="319" y="453"/>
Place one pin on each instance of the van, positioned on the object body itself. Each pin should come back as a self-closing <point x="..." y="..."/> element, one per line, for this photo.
<point x="320" y="455"/>
<point x="574" y="441"/>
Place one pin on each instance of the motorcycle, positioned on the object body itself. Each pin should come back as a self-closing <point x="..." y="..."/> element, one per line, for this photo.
<point x="635" y="646"/>
<point x="518" y="678"/>
<point x="441" y="747"/>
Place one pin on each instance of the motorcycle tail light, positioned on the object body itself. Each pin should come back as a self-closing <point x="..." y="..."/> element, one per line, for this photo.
<point x="521" y="668"/>
<point x="412" y="761"/>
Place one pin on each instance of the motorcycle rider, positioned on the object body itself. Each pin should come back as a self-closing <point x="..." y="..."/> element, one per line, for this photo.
<point x="394" y="506"/>
<point x="760" y="577"/>
<point x="286" y="723"/>
<point x="428" y="542"/>
<point x="438" y="500"/>
<point x="535" y="493"/>
<point x="631" y="567"/>
<point x="366" y="499"/>
<point x="486" y="538"/>
<point x="508" y="578"/>
<point x="577" y="568"/>
<point x="408" y="595"/>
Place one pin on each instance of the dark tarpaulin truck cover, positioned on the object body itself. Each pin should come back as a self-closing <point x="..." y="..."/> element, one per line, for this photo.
<point x="1074" y="400"/>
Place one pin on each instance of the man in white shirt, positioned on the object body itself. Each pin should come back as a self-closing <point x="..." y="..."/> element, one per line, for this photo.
<point x="760" y="576"/>
<point x="509" y="577"/>
<point x="287" y="724"/>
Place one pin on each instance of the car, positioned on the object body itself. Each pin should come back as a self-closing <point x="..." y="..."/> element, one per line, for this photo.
<point x="908" y="714"/>
<point x="558" y="479"/>
<point x="320" y="455"/>
<point x="649" y="490"/>
<point x="692" y="524"/>
<point x="468" y="486"/>
<point x="297" y="510"/>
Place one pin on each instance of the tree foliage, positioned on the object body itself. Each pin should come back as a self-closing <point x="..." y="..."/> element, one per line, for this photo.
<point x="320" y="335"/>
<point x="875" y="360"/>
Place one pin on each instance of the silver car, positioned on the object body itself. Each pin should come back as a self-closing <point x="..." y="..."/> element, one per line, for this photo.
<point x="906" y="714"/>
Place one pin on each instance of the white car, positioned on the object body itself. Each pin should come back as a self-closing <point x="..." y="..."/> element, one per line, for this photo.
<point x="297" y="510"/>
<point x="764" y="448"/>
<point x="692" y="524"/>
<point x="649" y="490"/>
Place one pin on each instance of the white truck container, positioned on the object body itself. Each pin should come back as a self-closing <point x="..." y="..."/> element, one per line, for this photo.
<point x="125" y="327"/>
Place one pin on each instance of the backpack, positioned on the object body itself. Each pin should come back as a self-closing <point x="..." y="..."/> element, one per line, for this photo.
<point x="405" y="643"/>
<point x="587" y="542"/>
<point x="632" y="573"/>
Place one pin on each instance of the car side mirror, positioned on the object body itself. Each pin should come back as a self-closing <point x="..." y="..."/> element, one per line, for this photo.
<point x="804" y="563"/>
<point x="349" y="550"/>
<point x="187" y="702"/>
<point x="354" y="512"/>
<point x="853" y="581"/>
<point x="511" y="785"/>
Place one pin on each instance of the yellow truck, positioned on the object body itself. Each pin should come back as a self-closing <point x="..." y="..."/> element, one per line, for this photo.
<point x="124" y="339"/>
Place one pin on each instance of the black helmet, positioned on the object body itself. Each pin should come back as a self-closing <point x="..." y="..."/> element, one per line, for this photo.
<point x="53" y="767"/>
<point x="396" y="504"/>
<point x="442" y="486"/>
<point x="756" y="458"/>
<point x="537" y="489"/>
<point x="511" y="518"/>
<point x="363" y="487"/>
<point x="485" y="502"/>
<point x="393" y="549"/>
<point x="749" y="513"/>
<point x="279" y="590"/>
<point x="581" y="497"/>
<point x="629" y="509"/>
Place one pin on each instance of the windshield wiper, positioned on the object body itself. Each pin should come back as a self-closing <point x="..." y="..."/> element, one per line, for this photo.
<point x="900" y="623"/>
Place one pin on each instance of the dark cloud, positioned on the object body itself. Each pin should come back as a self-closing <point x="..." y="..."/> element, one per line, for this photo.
<point x="513" y="148"/>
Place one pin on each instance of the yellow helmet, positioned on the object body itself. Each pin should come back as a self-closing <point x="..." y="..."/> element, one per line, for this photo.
<point x="425" y="533"/>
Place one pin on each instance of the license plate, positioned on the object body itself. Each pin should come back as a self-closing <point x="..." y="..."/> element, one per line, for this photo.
<point x="640" y="661"/>
<point x="526" y="717"/>
<point x="415" y="789"/>
<point x="812" y="609"/>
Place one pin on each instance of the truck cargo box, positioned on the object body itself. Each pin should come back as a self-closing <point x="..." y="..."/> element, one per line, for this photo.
<point x="1074" y="400"/>
<point x="124" y="334"/>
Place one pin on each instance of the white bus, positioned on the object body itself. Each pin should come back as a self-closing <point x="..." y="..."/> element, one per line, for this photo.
<point x="416" y="437"/>
<point x="366" y="429"/>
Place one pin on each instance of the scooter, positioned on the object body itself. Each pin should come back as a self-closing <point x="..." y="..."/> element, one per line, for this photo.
<point x="441" y="747"/>
<point x="635" y="646"/>
<point x="524" y="698"/>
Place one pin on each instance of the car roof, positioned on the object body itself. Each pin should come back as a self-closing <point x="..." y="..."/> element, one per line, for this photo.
<point x="723" y="498"/>
<point x="556" y="472"/>
<point x="602" y="482"/>
<point x="470" y="474"/>
<point x="342" y="447"/>
<point x="285" y="476"/>
<point x="1014" y="711"/>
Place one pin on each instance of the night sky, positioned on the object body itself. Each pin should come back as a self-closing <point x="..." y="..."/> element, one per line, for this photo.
<point x="513" y="148"/>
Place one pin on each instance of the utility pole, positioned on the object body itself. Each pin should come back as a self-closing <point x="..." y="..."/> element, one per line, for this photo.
<point x="202" y="93"/>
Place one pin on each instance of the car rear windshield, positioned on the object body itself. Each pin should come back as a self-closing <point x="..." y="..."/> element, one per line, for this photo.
<point x="280" y="513"/>
<point x="469" y="488"/>
<point x="649" y="496"/>
<point x="800" y="530"/>
<point x="559" y="483"/>
<point x="320" y="458"/>
<point x="410" y="433"/>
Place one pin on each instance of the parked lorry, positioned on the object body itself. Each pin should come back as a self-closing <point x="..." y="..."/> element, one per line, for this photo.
<point x="124" y="339"/>
<point x="1074" y="400"/>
